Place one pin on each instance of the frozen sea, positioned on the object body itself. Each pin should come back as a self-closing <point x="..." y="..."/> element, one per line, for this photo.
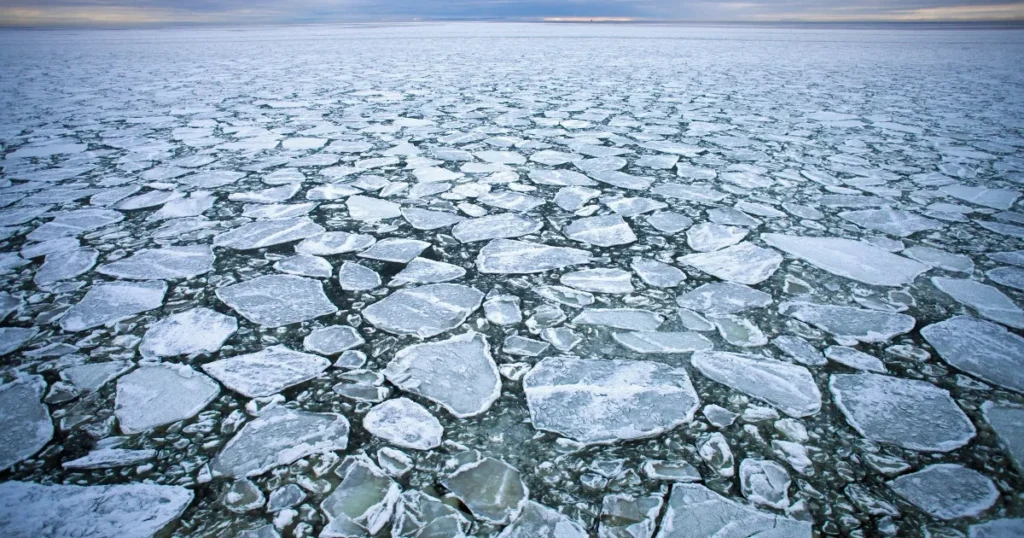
<point x="516" y="280"/>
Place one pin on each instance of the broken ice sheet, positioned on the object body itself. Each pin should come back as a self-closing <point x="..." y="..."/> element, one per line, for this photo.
<point x="280" y="436"/>
<point x="458" y="373"/>
<point x="492" y="490"/>
<point x="424" y="311"/>
<point x="266" y="372"/>
<point x="786" y="386"/>
<point x="404" y="423"/>
<point x="603" y="401"/>
<point x="25" y="425"/>
<point x="199" y="330"/>
<point x="109" y="302"/>
<point x="156" y="395"/>
<point x="277" y="300"/>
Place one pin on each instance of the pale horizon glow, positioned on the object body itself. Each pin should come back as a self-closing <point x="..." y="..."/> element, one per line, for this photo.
<point x="114" y="13"/>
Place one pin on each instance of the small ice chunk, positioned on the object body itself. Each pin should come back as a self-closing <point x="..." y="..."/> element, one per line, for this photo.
<point x="630" y="319"/>
<point x="765" y="482"/>
<point x="672" y="471"/>
<point x="332" y="243"/>
<point x="332" y="340"/>
<point x="267" y="233"/>
<point x="159" y="394"/>
<point x="720" y="298"/>
<point x="663" y="342"/>
<point x="503" y="310"/>
<point x="366" y="498"/>
<point x="657" y="274"/>
<point x="425" y="219"/>
<point x="199" y="330"/>
<point x="744" y="263"/>
<point x="65" y="265"/>
<point x="266" y="372"/>
<point x="740" y="332"/>
<point x="788" y="387"/>
<point x="277" y="300"/>
<point x="369" y="208"/>
<point x="508" y="256"/>
<point x="424" y="311"/>
<point x="395" y="250"/>
<point x="988" y="301"/>
<point x="695" y="511"/>
<point x="669" y="222"/>
<point x="492" y="490"/>
<point x="25" y="424"/>
<point x="947" y="491"/>
<point x="458" y="373"/>
<point x="891" y="221"/>
<point x="503" y="225"/>
<point x="162" y="264"/>
<point x="604" y="231"/>
<point x="980" y="348"/>
<point x="849" y="322"/>
<point x="603" y="401"/>
<point x="539" y="521"/>
<point x="111" y="458"/>
<point x="303" y="265"/>
<point x="940" y="258"/>
<point x="280" y="436"/>
<point x="404" y="423"/>
<point x="564" y="295"/>
<point x="522" y="346"/>
<point x="912" y="414"/>
<point x="356" y="277"/>
<point x="799" y="350"/>
<point x="109" y="302"/>
<point x="859" y="360"/>
<point x="599" y="280"/>
<point x="707" y="236"/>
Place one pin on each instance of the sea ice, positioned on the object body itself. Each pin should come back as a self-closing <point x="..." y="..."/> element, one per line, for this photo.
<point x="947" y="491"/>
<point x="25" y="424"/>
<point x="492" y="490"/>
<point x="604" y="401"/>
<point x="695" y="511"/>
<point x="277" y="300"/>
<point x="404" y="423"/>
<point x="156" y="395"/>
<point x="267" y="233"/>
<point x="744" y="263"/>
<point x="424" y="311"/>
<point x="605" y="231"/>
<point x="162" y="264"/>
<point x="980" y="348"/>
<point x="109" y="302"/>
<point x="988" y="301"/>
<point x="849" y="259"/>
<point x="849" y="322"/>
<point x="199" y="330"/>
<point x="788" y="387"/>
<point x="280" y="436"/>
<point x="266" y="372"/>
<point x="508" y="256"/>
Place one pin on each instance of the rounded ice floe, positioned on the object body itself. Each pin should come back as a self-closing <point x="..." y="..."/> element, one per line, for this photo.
<point x="277" y="300"/>
<point x="980" y="348"/>
<point x="280" y="436"/>
<point x="199" y="330"/>
<point x="109" y="302"/>
<point x="305" y="265"/>
<point x="458" y="373"/>
<point x="155" y="395"/>
<point x="123" y="510"/>
<point x="65" y="265"/>
<point x="25" y="424"/>
<point x="947" y="491"/>
<point x="493" y="490"/>
<point x="656" y="274"/>
<point x="850" y="259"/>
<point x="788" y="387"/>
<point x="369" y="208"/>
<point x="765" y="482"/>
<point x="356" y="277"/>
<point x="744" y="263"/>
<point x="266" y="372"/>
<point x="850" y="322"/>
<point x="708" y="236"/>
<point x="424" y="311"/>
<point x="267" y="233"/>
<point x="912" y="414"/>
<point x="405" y="423"/>
<point x="604" y="401"/>
<point x="332" y="340"/>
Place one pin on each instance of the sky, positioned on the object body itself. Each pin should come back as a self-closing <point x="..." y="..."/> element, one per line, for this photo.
<point x="155" y="12"/>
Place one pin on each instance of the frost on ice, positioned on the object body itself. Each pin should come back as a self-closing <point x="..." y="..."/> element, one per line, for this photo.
<point x="404" y="423"/>
<point x="980" y="348"/>
<point x="199" y="330"/>
<point x="266" y="372"/>
<point x="424" y="311"/>
<point x="277" y="300"/>
<point x="458" y="373"/>
<point x="109" y="302"/>
<point x="904" y="412"/>
<point x="786" y="386"/>
<point x="155" y="395"/>
<point x="947" y="491"/>
<point x="30" y="510"/>
<point x="696" y="511"/>
<point x="25" y="424"/>
<point x="281" y="436"/>
<point x="603" y="401"/>
<point x="850" y="259"/>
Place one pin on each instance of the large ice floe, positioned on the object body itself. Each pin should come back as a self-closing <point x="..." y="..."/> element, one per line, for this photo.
<point x="512" y="280"/>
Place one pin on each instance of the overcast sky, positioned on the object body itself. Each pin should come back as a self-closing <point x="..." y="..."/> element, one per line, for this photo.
<point x="135" y="12"/>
